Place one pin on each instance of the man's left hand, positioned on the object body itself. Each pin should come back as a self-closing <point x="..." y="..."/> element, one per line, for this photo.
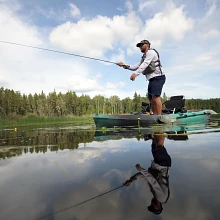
<point x="133" y="76"/>
<point x="138" y="167"/>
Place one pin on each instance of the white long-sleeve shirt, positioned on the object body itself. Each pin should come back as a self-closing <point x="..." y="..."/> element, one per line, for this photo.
<point x="160" y="185"/>
<point x="151" y="55"/>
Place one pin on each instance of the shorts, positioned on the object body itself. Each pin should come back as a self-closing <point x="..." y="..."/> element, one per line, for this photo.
<point x="155" y="86"/>
<point x="161" y="157"/>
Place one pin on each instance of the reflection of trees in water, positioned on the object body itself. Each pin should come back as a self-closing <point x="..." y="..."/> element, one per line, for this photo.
<point x="7" y="153"/>
<point x="41" y="142"/>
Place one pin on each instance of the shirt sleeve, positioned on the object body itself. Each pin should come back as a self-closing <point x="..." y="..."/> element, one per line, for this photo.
<point x="135" y="67"/>
<point x="136" y="176"/>
<point x="145" y="64"/>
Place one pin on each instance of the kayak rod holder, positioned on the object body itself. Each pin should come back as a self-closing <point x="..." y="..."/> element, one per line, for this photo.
<point x="139" y="124"/>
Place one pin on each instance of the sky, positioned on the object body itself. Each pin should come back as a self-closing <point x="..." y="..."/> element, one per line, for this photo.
<point x="185" y="33"/>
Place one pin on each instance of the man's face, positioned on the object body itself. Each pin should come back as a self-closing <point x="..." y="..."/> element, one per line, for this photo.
<point x="144" y="48"/>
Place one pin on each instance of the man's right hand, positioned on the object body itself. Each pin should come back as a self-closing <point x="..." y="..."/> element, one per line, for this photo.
<point x="127" y="183"/>
<point x="120" y="64"/>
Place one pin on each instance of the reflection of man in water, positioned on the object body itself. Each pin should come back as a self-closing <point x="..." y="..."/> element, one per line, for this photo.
<point x="157" y="175"/>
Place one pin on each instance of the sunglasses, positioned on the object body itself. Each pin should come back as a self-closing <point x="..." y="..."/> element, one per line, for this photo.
<point x="141" y="45"/>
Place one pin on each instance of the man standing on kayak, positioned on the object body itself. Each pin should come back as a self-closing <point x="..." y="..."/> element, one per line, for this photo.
<point x="149" y="66"/>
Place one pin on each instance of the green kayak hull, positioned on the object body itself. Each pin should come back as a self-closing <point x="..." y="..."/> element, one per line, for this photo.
<point x="145" y="120"/>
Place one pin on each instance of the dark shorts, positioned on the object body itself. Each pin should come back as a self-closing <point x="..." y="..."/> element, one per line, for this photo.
<point x="155" y="86"/>
<point x="161" y="157"/>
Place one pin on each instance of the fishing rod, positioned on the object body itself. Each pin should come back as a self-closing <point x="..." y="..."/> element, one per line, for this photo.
<point x="55" y="51"/>
<point x="70" y="207"/>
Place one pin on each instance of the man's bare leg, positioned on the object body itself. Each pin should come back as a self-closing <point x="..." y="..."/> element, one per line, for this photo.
<point x="157" y="105"/>
<point x="160" y="139"/>
<point x="152" y="105"/>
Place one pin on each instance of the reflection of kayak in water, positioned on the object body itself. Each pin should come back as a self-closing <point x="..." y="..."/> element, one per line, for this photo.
<point x="176" y="132"/>
<point x="179" y="135"/>
<point x="144" y="120"/>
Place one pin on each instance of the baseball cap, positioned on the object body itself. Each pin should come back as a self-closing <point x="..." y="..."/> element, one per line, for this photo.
<point x="143" y="42"/>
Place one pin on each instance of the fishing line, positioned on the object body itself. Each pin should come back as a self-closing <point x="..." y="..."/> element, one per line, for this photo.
<point x="55" y="51"/>
<point x="70" y="207"/>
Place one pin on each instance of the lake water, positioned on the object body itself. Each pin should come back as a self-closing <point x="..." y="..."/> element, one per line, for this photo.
<point x="44" y="172"/>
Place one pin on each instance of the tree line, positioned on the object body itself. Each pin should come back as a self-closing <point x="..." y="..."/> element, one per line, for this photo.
<point x="13" y="104"/>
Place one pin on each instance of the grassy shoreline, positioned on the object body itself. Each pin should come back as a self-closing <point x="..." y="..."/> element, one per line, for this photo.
<point x="24" y="121"/>
<point x="34" y="121"/>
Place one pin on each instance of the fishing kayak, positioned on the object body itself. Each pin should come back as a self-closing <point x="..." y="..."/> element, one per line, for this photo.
<point x="144" y="120"/>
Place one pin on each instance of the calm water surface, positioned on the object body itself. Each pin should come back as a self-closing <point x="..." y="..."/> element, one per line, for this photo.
<point x="46" y="171"/>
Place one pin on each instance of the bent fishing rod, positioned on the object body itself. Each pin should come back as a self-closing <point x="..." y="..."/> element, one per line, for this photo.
<point x="73" y="206"/>
<point x="56" y="51"/>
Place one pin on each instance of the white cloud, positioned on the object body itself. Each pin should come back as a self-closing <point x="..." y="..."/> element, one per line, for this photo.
<point x="28" y="70"/>
<point x="213" y="33"/>
<point x="82" y="155"/>
<point x="12" y="4"/>
<point x="3" y="82"/>
<point x="94" y="37"/>
<point x="211" y="11"/>
<point x="78" y="83"/>
<point x="49" y="13"/>
<point x="204" y="57"/>
<point x="208" y="26"/>
<point x="191" y="88"/>
<point x="210" y="58"/>
<point x="190" y="208"/>
<point x="146" y="4"/>
<point x="120" y="56"/>
<point x="211" y="165"/>
<point x="211" y="1"/>
<point x="58" y="14"/>
<point x="119" y="9"/>
<point x="129" y="5"/>
<point x="11" y="26"/>
<point x="180" y="69"/>
<point x="74" y="10"/>
<point x="98" y="75"/>
<point x="115" y="85"/>
<point x="172" y="24"/>
<point x="119" y="92"/>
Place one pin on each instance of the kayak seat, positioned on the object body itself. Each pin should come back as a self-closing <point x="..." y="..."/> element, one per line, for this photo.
<point x="178" y="97"/>
<point x="176" y="104"/>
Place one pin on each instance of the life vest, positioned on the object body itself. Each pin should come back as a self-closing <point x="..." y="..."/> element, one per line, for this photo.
<point x="153" y="64"/>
